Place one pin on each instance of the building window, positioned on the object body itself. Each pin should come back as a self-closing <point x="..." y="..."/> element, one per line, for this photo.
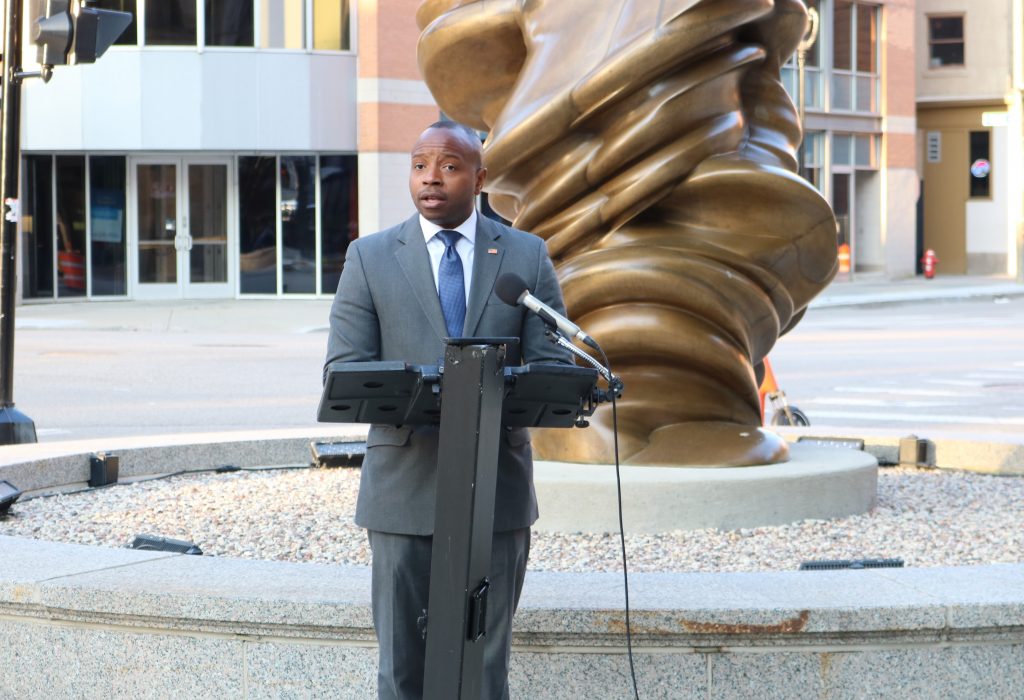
<point x="981" y="164"/>
<point x="71" y="231"/>
<point x="37" y="227"/>
<point x="130" y="36"/>
<point x="331" y="25"/>
<point x="855" y="57"/>
<point x="339" y="216"/>
<point x="317" y="218"/>
<point x="171" y="23"/>
<point x="813" y="148"/>
<point x="257" y="230"/>
<point x="108" y="251"/>
<point x="229" y="23"/>
<point x="945" y="41"/>
<point x="298" y="225"/>
<point x="282" y="24"/>
<point x="859" y="151"/>
<point x="812" y="70"/>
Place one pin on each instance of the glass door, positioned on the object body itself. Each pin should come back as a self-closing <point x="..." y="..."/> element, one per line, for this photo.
<point x="156" y="189"/>
<point x="207" y="223"/>
<point x="842" y="207"/>
<point x="182" y="228"/>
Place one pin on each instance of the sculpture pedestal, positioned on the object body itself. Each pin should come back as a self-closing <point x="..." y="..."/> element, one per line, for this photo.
<point x="816" y="482"/>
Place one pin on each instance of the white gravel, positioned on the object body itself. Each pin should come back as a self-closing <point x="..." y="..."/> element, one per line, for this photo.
<point x="926" y="518"/>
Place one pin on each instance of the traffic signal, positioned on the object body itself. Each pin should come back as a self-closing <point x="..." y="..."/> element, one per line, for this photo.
<point x="70" y="32"/>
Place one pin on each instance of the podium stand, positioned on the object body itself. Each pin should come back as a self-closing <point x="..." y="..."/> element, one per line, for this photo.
<point x="480" y="396"/>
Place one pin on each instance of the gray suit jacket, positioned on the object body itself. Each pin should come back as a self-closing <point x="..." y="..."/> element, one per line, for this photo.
<point x="387" y="308"/>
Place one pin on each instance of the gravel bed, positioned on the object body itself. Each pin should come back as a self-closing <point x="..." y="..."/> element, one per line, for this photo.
<point x="926" y="518"/>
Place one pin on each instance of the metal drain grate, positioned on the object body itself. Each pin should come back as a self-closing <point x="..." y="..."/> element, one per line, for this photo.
<point x="829" y="564"/>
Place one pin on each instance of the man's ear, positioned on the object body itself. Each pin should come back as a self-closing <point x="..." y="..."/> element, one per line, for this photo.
<point x="481" y="178"/>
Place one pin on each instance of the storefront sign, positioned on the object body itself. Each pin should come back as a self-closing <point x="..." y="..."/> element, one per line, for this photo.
<point x="981" y="168"/>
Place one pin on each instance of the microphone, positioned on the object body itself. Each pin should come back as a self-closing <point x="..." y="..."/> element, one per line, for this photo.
<point x="512" y="289"/>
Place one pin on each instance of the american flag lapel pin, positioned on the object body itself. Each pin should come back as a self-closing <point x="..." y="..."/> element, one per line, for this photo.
<point x="492" y="251"/>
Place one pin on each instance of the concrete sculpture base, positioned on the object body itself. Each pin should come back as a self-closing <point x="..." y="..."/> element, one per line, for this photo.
<point x="816" y="482"/>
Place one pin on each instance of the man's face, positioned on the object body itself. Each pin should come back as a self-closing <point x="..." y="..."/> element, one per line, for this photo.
<point x="446" y="176"/>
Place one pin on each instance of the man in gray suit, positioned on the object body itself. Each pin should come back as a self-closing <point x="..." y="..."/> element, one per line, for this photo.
<point x="402" y="292"/>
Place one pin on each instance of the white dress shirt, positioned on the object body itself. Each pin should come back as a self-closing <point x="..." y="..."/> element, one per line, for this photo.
<point x="464" y="247"/>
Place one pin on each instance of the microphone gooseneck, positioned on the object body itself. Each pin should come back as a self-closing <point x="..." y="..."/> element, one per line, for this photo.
<point x="513" y="290"/>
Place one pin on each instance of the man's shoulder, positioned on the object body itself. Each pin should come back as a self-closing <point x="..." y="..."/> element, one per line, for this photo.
<point x="512" y="234"/>
<point x="381" y="239"/>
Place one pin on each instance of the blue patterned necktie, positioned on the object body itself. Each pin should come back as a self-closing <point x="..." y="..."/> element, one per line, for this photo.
<point x="451" y="287"/>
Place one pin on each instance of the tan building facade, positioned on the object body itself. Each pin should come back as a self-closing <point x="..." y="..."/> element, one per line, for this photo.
<point x="859" y="129"/>
<point x="394" y="105"/>
<point x="969" y="131"/>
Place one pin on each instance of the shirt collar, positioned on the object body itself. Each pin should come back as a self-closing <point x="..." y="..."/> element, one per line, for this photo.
<point x="467" y="228"/>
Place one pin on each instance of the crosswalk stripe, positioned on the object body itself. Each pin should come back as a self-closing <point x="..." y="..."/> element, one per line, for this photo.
<point x="902" y="391"/>
<point x="917" y="417"/>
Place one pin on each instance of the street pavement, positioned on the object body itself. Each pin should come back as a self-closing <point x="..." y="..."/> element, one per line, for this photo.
<point x="129" y="368"/>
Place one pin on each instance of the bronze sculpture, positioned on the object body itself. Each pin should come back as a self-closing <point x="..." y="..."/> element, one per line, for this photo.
<point x="652" y="145"/>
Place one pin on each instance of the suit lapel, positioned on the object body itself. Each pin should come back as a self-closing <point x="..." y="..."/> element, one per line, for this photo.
<point x="414" y="260"/>
<point x="485" y="270"/>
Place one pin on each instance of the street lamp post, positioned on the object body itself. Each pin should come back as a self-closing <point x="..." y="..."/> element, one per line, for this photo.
<point x="68" y="33"/>
<point x="15" y="426"/>
<point x="810" y="36"/>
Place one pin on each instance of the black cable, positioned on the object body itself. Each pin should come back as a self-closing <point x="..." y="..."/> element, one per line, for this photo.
<point x="622" y="528"/>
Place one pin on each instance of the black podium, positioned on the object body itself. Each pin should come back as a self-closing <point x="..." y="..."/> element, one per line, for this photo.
<point x="480" y="397"/>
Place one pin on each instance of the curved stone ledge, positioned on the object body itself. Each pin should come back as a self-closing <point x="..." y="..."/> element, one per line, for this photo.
<point x="147" y="624"/>
<point x="79" y="621"/>
<point x="57" y="466"/>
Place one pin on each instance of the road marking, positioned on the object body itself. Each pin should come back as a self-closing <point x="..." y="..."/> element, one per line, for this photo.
<point x="45" y="324"/>
<point x="992" y="375"/>
<point x="848" y="401"/>
<point x="902" y="391"/>
<point x="917" y="418"/>
<point x="956" y="382"/>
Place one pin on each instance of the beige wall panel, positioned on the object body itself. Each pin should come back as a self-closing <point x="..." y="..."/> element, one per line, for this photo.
<point x="955" y="117"/>
<point x="986" y="68"/>
<point x="945" y="196"/>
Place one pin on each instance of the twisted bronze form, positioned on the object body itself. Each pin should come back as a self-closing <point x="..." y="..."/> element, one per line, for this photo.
<point x="651" y="143"/>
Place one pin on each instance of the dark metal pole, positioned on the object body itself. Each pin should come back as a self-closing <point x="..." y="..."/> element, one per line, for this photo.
<point x="15" y="427"/>
<point x="467" y="472"/>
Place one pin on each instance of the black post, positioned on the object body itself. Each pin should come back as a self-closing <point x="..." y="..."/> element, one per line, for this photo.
<point x="472" y="390"/>
<point x="15" y="427"/>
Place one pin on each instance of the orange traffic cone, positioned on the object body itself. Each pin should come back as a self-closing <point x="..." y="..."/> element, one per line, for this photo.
<point x="844" y="258"/>
<point x="768" y="385"/>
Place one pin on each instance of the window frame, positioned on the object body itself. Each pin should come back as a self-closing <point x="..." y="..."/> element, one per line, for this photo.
<point x="855" y="72"/>
<point x="308" y="31"/>
<point x="988" y="195"/>
<point x="962" y="16"/>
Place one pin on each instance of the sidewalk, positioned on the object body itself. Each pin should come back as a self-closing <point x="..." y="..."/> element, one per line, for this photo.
<point x="311" y="315"/>
<point x="179" y="316"/>
<point x="872" y="289"/>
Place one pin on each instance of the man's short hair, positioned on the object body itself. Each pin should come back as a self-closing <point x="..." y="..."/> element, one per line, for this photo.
<point x="450" y="125"/>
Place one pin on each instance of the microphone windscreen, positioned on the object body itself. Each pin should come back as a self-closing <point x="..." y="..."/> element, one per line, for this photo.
<point x="509" y="287"/>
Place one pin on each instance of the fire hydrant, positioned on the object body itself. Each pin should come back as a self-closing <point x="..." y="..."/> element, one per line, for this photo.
<point x="928" y="261"/>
